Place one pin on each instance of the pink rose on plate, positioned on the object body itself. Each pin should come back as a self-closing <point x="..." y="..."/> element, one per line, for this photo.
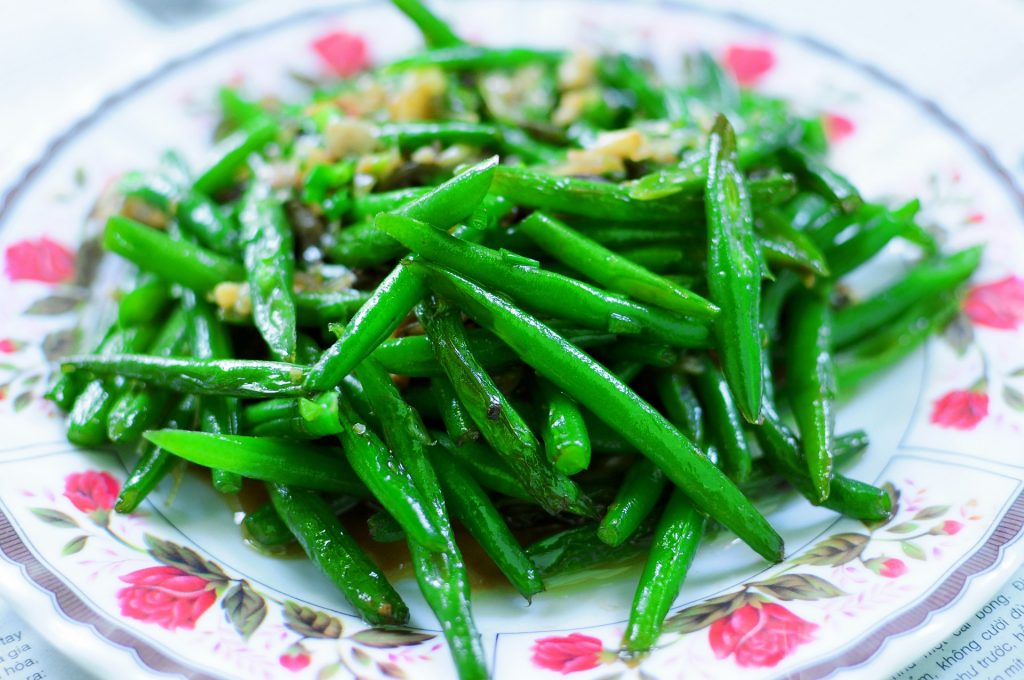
<point x="748" y="63"/>
<point x="948" y="528"/>
<point x="960" y="409"/>
<point x="295" y="661"/>
<point x="759" y="636"/>
<point x="41" y="259"/>
<point x="91" y="491"/>
<point x="999" y="304"/>
<point x="345" y="53"/>
<point x="892" y="568"/>
<point x="166" y="596"/>
<point x="569" y="654"/>
<point x="837" y="127"/>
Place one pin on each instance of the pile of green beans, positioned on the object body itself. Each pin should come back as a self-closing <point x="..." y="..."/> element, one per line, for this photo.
<point x="511" y="341"/>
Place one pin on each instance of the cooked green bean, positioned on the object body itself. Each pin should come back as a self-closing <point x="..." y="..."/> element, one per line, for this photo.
<point x="724" y="422"/>
<point x="734" y="271"/>
<point x="563" y="430"/>
<point x="617" y="405"/>
<point x="333" y="549"/>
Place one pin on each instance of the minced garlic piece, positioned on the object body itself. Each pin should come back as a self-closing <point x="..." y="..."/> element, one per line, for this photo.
<point x="577" y="70"/>
<point x="233" y="298"/>
<point x="141" y="211"/>
<point x="572" y="105"/>
<point x="444" y="158"/>
<point x="607" y="154"/>
<point x="350" y="137"/>
<point x="417" y="96"/>
<point x="367" y="97"/>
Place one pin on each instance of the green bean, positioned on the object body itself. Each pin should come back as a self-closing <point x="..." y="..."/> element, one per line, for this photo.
<point x="874" y="235"/>
<point x="87" y="420"/>
<point x="607" y="201"/>
<point x="232" y="152"/>
<point x="268" y="410"/>
<point x="487" y="468"/>
<point x="387" y="479"/>
<point x="362" y="246"/>
<point x="412" y="355"/>
<point x="138" y="407"/>
<point x="339" y="557"/>
<point x="272" y="460"/>
<point x="734" y="271"/>
<point x="435" y="31"/>
<point x="477" y="58"/>
<point x="236" y="108"/>
<point x="456" y="419"/>
<point x="67" y="387"/>
<point x="626" y="73"/>
<point x="657" y="259"/>
<point x="178" y="262"/>
<point x="266" y="240"/>
<point x="442" y="577"/>
<point x="579" y="548"/>
<point x="516" y="142"/>
<point x="614" y="403"/>
<point x="265" y="529"/>
<point x="203" y="219"/>
<point x="811" y="383"/>
<point x="926" y="280"/>
<point x="676" y="538"/>
<point x="543" y="291"/>
<point x="681" y="405"/>
<point x="307" y="419"/>
<point x="903" y="335"/>
<point x="612" y="271"/>
<point x="399" y="292"/>
<point x="223" y="377"/>
<point x="499" y="423"/>
<point x="320" y="307"/>
<point x="145" y="302"/>
<point x="725" y="424"/>
<point x="634" y="501"/>
<point x="846" y="496"/>
<point x="782" y="244"/>
<point x="821" y="178"/>
<point x="154" y="462"/>
<point x="563" y="430"/>
<point x="643" y="353"/>
<point x="371" y="205"/>
<point x="383" y="528"/>
<point x="411" y="135"/>
<point x="474" y="509"/>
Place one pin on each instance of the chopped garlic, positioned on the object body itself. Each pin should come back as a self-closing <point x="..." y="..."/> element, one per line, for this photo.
<point x="417" y="96"/>
<point x="350" y="137"/>
<point x="141" y="211"/>
<point x="577" y="70"/>
<point x="443" y="158"/>
<point x="233" y="298"/>
<point x="572" y="105"/>
<point x="376" y="167"/>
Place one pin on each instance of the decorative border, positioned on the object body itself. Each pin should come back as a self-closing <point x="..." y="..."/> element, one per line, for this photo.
<point x="75" y="609"/>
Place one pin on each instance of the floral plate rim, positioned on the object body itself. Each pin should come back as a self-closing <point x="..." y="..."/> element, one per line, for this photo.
<point x="72" y="611"/>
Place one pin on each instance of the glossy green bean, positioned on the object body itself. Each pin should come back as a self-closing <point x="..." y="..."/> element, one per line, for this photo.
<point x="734" y="271"/>
<point x="154" y="462"/>
<point x="499" y="423"/>
<point x="607" y="201"/>
<point x="609" y="269"/>
<point x="545" y="292"/>
<point x="456" y="419"/>
<point x="477" y="58"/>
<point x="139" y="407"/>
<point x="144" y="302"/>
<point x="574" y="550"/>
<point x="636" y="498"/>
<point x="724" y="421"/>
<point x="614" y="403"/>
<point x="264" y="528"/>
<point x="387" y="479"/>
<point x="819" y="177"/>
<point x="474" y="509"/>
<point x="563" y="430"/>
<point x="487" y="468"/>
<point x="232" y="153"/>
<point x="267" y="246"/>
<point x="436" y="32"/>
<point x="223" y="377"/>
<point x="339" y="557"/>
<point x="400" y="291"/>
<point x="178" y="262"/>
<point x="925" y="280"/>
<point x="811" y="383"/>
<point x="676" y="538"/>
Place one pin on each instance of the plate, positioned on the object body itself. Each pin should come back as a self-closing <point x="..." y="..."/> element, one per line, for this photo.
<point x="173" y="589"/>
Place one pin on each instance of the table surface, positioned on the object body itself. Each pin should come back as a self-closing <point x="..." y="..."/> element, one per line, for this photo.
<point x="58" y="58"/>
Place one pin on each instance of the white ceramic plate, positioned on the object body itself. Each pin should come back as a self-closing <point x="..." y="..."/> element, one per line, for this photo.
<point x="173" y="589"/>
